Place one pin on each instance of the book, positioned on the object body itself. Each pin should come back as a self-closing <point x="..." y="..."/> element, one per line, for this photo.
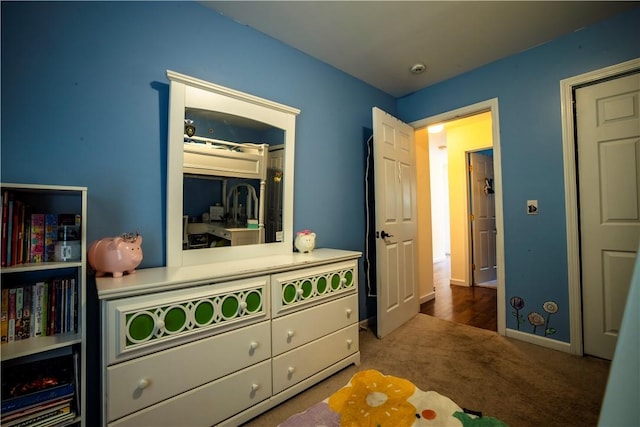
<point x="33" y="383"/>
<point x="17" y="206"/>
<point x="45" y="307"/>
<point x="51" y="304"/>
<point x="27" y="305"/>
<point x="11" y="323"/>
<point x="9" y="231"/>
<point x="37" y="312"/>
<point x="19" y="301"/>
<point x="4" y="315"/>
<point x="50" y="236"/>
<point x="53" y="418"/>
<point x="75" y="296"/>
<point x="37" y="238"/>
<point x="36" y="398"/>
<point x="5" y="213"/>
<point x="21" y="415"/>
<point x="20" y="239"/>
<point x="63" y="304"/>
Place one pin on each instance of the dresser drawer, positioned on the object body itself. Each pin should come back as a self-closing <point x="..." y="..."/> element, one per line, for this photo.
<point x="299" y="289"/>
<point x="292" y="367"/>
<point x="208" y="404"/>
<point x="140" y="325"/>
<point x="301" y="327"/>
<point x="144" y="381"/>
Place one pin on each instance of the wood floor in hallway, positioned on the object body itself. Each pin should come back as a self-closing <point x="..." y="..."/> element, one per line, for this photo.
<point x="474" y="306"/>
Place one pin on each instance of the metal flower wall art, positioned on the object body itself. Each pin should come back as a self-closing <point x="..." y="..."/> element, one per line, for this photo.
<point x="535" y="319"/>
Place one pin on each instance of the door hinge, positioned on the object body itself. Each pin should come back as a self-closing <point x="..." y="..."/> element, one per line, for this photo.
<point x="471" y="217"/>
<point x="470" y="168"/>
<point x="473" y="267"/>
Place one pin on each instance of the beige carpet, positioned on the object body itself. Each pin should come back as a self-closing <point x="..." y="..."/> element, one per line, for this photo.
<point x="522" y="384"/>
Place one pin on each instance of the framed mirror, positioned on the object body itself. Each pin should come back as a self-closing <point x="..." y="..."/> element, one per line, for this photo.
<point x="229" y="174"/>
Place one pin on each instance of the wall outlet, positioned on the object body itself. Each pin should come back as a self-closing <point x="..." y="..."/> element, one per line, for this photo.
<point x="532" y="207"/>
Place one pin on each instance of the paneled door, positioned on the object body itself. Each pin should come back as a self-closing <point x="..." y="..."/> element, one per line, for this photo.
<point x="483" y="218"/>
<point x="396" y="224"/>
<point x="608" y="146"/>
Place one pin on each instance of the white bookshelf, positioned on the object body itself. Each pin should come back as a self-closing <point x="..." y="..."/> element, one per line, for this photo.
<point x="52" y="199"/>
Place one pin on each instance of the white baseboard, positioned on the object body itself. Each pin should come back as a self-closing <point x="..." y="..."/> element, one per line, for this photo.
<point x="458" y="282"/>
<point x="538" y="340"/>
<point x="428" y="297"/>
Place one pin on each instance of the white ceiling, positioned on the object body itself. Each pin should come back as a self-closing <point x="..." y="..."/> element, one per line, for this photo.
<point x="378" y="41"/>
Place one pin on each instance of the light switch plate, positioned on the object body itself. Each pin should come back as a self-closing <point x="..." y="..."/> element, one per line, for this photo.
<point x="532" y="207"/>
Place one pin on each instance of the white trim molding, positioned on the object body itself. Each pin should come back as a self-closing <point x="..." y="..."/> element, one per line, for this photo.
<point x="538" y="340"/>
<point x="571" y="191"/>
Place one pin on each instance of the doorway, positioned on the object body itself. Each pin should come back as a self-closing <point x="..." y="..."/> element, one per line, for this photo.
<point x="458" y="214"/>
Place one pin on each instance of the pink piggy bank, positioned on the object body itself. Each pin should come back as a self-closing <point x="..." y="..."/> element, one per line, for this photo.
<point x="115" y="255"/>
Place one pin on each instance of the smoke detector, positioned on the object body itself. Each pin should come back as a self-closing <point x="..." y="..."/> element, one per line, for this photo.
<point x="418" y="68"/>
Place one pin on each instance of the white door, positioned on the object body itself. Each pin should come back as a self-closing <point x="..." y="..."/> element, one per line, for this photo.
<point x="483" y="218"/>
<point x="608" y="146"/>
<point x="396" y="225"/>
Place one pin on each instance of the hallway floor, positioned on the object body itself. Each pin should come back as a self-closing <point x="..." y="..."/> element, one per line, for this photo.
<point x="474" y="306"/>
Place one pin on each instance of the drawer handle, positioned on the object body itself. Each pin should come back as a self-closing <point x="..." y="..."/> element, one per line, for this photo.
<point x="255" y="387"/>
<point x="349" y="311"/>
<point x="300" y="291"/>
<point x="290" y="334"/>
<point x="291" y="370"/>
<point x="143" y="383"/>
<point x="254" y="345"/>
<point x="160" y="324"/>
<point x="243" y="306"/>
<point x="343" y="281"/>
<point x="349" y="342"/>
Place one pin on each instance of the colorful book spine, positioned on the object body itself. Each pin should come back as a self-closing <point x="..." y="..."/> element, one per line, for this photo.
<point x="49" y="419"/>
<point x="75" y="296"/>
<point x="5" y="213"/>
<point x="45" y="306"/>
<point x="58" y="317"/>
<point x="38" y="300"/>
<point x="40" y="415"/>
<point x="27" y="305"/>
<point x="4" y="315"/>
<point x="50" y="236"/>
<point x="9" y="231"/>
<point x="11" y="324"/>
<point x="21" y="238"/>
<point x="36" y="398"/>
<point x="37" y="238"/>
<point x="17" y="206"/>
<point x="19" y="301"/>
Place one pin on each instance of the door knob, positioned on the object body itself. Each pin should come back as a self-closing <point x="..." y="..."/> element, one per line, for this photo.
<point x="384" y="234"/>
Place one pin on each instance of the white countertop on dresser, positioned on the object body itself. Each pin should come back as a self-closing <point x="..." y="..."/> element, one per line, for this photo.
<point x="158" y="279"/>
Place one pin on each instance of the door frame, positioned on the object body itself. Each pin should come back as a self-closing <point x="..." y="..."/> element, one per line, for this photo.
<point x="481" y="107"/>
<point x="571" y="192"/>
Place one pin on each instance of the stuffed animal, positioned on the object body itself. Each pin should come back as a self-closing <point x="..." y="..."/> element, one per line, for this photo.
<point x="305" y="241"/>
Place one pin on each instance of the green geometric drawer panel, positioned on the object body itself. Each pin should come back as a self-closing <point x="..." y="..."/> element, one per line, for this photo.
<point x="313" y="285"/>
<point x="194" y="314"/>
<point x="152" y="322"/>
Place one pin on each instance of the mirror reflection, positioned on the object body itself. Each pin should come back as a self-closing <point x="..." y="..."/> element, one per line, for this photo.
<point x="233" y="171"/>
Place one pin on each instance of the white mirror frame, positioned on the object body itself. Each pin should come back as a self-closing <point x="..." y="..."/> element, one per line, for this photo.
<point x="186" y="91"/>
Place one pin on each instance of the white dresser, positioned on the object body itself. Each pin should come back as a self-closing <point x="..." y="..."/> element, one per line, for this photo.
<point x="218" y="344"/>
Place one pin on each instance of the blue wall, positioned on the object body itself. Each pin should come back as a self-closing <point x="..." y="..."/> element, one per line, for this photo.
<point x="527" y="86"/>
<point x="85" y="102"/>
